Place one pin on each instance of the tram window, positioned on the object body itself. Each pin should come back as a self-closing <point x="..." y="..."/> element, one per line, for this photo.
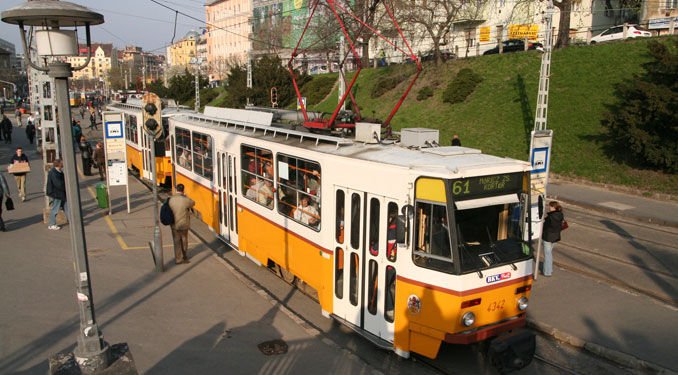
<point x="165" y="129"/>
<point x="299" y="185"/>
<point x="355" y="220"/>
<point x="390" y="289"/>
<point x="432" y="237"/>
<point x="374" y="226"/>
<point x="373" y="287"/>
<point x="339" y="273"/>
<point x="183" y="148"/>
<point x="340" y="217"/>
<point x="132" y="129"/>
<point x="353" y="281"/>
<point x="257" y="175"/>
<point x="202" y="155"/>
<point x="391" y="231"/>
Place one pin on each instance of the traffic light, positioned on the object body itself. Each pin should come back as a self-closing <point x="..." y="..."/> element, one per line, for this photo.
<point x="274" y="97"/>
<point x="152" y="115"/>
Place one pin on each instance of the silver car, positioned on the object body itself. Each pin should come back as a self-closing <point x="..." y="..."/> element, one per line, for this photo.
<point x="617" y="33"/>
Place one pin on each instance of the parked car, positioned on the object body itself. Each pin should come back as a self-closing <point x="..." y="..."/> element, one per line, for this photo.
<point x="515" y="45"/>
<point x="430" y="55"/>
<point x="617" y="33"/>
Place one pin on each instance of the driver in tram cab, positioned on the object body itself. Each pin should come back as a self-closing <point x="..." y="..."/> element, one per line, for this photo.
<point x="306" y="213"/>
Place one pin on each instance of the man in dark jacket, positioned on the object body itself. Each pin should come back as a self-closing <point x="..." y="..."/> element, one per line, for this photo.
<point x="56" y="189"/>
<point x="6" y="128"/>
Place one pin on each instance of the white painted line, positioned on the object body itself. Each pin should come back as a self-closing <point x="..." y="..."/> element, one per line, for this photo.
<point x="617" y="206"/>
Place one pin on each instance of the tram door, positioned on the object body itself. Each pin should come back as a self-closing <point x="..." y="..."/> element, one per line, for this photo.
<point x="226" y="188"/>
<point x="146" y="157"/>
<point x="362" y="261"/>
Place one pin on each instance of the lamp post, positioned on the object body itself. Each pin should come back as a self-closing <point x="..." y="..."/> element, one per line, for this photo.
<point x="92" y="352"/>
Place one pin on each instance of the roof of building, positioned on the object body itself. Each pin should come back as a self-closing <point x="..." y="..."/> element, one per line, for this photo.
<point x="107" y="47"/>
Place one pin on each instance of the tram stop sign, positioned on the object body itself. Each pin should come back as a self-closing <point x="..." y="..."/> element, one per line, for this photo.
<point x="152" y="119"/>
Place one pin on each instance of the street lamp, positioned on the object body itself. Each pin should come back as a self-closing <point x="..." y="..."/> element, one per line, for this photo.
<point x="51" y="16"/>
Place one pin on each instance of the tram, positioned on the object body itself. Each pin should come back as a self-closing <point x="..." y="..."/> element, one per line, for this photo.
<point x="138" y="143"/>
<point x="409" y="244"/>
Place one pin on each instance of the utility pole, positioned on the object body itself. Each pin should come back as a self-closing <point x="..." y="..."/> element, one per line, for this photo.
<point x="197" y="84"/>
<point x="249" y="74"/>
<point x="143" y="72"/>
<point x="342" y="81"/>
<point x="541" y="138"/>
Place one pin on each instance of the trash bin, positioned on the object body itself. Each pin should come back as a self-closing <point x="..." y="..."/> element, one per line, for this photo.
<point x="102" y="195"/>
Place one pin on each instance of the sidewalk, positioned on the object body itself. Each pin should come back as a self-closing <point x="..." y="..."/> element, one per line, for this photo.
<point x="623" y="204"/>
<point x="194" y="318"/>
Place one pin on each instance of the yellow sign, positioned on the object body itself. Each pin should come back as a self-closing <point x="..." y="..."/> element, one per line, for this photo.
<point x="485" y="34"/>
<point x="523" y="31"/>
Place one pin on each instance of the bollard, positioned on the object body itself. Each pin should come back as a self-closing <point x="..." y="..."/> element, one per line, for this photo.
<point x="102" y="195"/>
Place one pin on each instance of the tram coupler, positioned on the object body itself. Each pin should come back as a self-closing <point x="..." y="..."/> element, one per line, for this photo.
<point x="512" y="351"/>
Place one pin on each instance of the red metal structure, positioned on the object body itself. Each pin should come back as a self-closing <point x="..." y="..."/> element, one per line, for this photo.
<point x="339" y="10"/>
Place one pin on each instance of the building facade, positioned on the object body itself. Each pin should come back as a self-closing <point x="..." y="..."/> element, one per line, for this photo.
<point x="660" y="16"/>
<point x="228" y="35"/>
<point x="97" y="72"/>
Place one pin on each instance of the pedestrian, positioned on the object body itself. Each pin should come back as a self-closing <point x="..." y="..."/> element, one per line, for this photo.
<point x="181" y="206"/>
<point x="82" y="112"/>
<point x="92" y="120"/>
<point x="30" y="131"/>
<point x="56" y="190"/>
<point x="456" y="141"/>
<point x="4" y="194"/>
<point x="77" y="133"/>
<point x="20" y="157"/>
<point x="17" y="113"/>
<point x="6" y="128"/>
<point x="85" y="156"/>
<point x="99" y="157"/>
<point x="553" y="225"/>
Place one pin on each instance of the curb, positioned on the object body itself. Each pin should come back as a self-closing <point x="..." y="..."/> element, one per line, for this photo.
<point x="616" y="188"/>
<point x="615" y="356"/>
<point x="594" y="207"/>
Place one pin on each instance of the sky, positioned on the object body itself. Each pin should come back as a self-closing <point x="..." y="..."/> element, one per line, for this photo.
<point x="127" y="22"/>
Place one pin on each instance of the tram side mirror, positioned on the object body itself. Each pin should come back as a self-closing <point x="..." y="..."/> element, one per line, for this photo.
<point x="540" y="206"/>
<point x="403" y="223"/>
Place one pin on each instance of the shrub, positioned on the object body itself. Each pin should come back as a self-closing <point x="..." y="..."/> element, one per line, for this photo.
<point x="461" y="86"/>
<point x="644" y="122"/>
<point x="383" y="85"/>
<point x="425" y="93"/>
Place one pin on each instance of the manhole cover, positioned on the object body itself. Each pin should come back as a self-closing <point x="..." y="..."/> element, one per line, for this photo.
<point x="273" y="347"/>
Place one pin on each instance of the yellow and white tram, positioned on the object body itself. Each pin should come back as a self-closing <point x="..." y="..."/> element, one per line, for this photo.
<point x="138" y="143"/>
<point x="410" y="246"/>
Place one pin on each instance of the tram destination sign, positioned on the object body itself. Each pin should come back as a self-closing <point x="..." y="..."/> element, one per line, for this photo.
<point x="473" y="187"/>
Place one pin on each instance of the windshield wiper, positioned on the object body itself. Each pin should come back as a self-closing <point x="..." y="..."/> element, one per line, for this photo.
<point x="468" y="253"/>
<point x="495" y="249"/>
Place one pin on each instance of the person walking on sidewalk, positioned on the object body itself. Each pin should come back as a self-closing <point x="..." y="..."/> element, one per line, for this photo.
<point x="4" y="193"/>
<point x="30" y="130"/>
<point x="17" y="114"/>
<point x="20" y="178"/>
<point x="6" y="128"/>
<point x="86" y="156"/>
<point x="181" y="206"/>
<point x="56" y="189"/>
<point x="99" y="157"/>
<point x="92" y="120"/>
<point x="551" y="234"/>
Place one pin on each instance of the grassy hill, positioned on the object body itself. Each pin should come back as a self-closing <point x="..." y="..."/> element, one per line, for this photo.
<point x="498" y="117"/>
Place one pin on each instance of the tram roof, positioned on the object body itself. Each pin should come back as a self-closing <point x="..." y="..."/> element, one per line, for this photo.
<point x="442" y="161"/>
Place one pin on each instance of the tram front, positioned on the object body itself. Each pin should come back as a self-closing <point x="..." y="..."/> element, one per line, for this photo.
<point x="474" y="266"/>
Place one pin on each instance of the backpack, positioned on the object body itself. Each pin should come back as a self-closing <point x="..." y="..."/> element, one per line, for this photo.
<point x="166" y="214"/>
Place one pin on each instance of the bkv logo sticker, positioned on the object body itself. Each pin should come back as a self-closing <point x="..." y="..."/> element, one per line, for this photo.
<point x="498" y="277"/>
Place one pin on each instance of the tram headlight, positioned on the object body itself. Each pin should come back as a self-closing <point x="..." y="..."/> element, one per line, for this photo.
<point x="522" y="303"/>
<point x="468" y="319"/>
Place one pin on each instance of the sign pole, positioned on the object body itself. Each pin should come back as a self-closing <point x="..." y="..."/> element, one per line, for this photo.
<point x="115" y="150"/>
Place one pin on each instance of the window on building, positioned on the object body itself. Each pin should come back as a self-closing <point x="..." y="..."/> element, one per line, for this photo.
<point x="257" y="175"/>
<point x="299" y="182"/>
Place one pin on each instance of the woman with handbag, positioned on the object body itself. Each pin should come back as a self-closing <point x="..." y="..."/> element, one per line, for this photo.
<point x="4" y="193"/>
<point x="553" y="225"/>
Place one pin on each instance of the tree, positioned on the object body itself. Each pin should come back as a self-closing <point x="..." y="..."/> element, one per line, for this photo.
<point x="565" y="7"/>
<point x="645" y="121"/>
<point x="436" y="17"/>
<point x="182" y="87"/>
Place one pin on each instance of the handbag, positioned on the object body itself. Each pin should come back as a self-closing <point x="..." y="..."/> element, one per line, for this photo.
<point x="9" y="204"/>
<point x="565" y="225"/>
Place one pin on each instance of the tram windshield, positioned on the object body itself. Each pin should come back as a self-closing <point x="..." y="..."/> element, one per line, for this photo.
<point x="491" y="235"/>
